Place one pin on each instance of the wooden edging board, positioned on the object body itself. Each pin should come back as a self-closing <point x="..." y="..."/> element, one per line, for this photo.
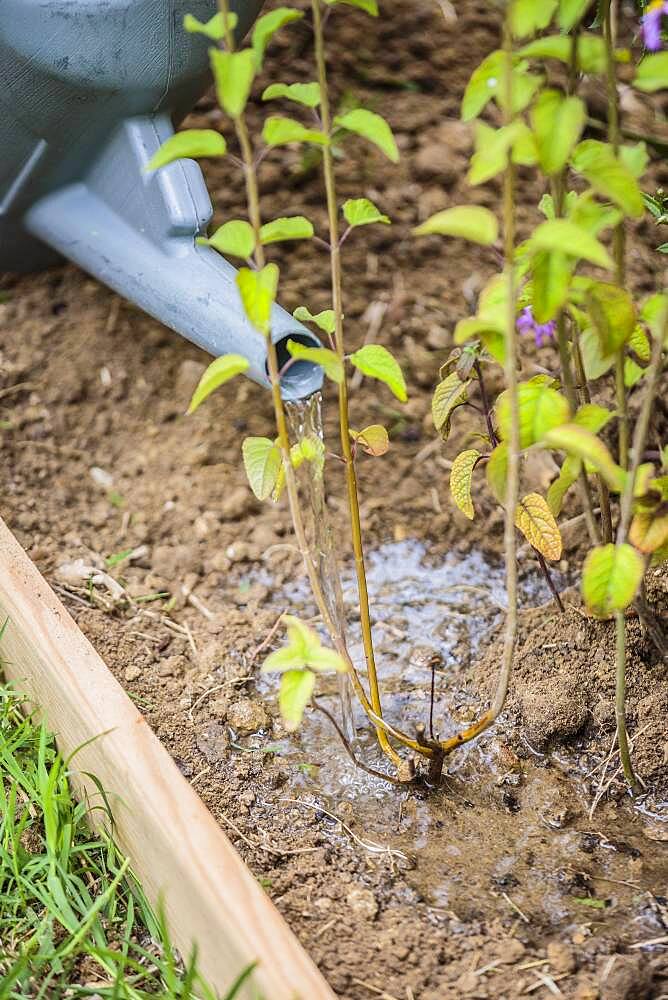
<point x="176" y="849"/>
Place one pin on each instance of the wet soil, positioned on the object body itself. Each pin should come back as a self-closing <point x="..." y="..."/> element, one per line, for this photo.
<point x="530" y="871"/>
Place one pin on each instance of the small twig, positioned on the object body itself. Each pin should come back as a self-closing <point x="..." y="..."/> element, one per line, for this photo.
<point x="264" y="847"/>
<point x="516" y="908"/>
<point x="368" y="845"/>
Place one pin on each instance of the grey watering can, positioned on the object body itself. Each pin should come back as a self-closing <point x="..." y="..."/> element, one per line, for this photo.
<point x="89" y="89"/>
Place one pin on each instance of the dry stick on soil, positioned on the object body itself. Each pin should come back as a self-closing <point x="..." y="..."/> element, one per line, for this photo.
<point x="626" y="509"/>
<point x="337" y="303"/>
<point x="512" y="488"/>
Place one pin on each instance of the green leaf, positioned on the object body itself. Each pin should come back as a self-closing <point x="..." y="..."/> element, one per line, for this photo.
<point x="551" y="275"/>
<point x="652" y="73"/>
<point x="496" y="472"/>
<point x="612" y="314"/>
<point x="192" y="143"/>
<point x="280" y="131"/>
<point x="374" y="439"/>
<point x="610" y="578"/>
<point x="377" y="362"/>
<point x="369" y="6"/>
<point x="582" y="444"/>
<point x="325" y="320"/>
<point x="235" y="237"/>
<point x="450" y="393"/>
<point x="492" y="150"/>
<point x="540" y="409"/>
<point x="295" y="227"/>
<point x="372" y="127"/>
<point x="557" y="122"/>
<point x="639" y="344"/>
<point x="571" y="12"/>
<point x="258" y="293"/>
<point x="482" y="85"/>
<point x="529" y="16"/>
<point x="653" y="313"/>
<point x="214" y="28"/>
<point x="632" y="373"/>
<point x="568" y="474"/>
<point x="635" y="158"/>
<point x="461" y="475"/>
<point x="233" y="74"/>
<point x="592" y="417"/>
<point x="591" y="51"/>
<point x="362" y="212"/>
<point x="608" y="176"/>
<point x="294" y="695"/>
<point x="219" y="371"/>
<point x="593" y="360"/>
<point x="262" y="461"/>
<point x="536" y="522"/>
<point x="307" y="94"/>
<point x="304" y="650"/>
<point x="564" y="236"/>
<point x="328" y="360"/>
<point x="585" y="211"/>
<point x="471" y="222"/>
<point x="649" y="530"/>
<point x="268" y="25"/>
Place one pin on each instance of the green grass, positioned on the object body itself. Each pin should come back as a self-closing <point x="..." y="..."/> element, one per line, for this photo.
<point x="73" y="920"/>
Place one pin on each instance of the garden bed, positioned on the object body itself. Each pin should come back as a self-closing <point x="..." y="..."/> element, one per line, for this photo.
<point x="502" y="876"/>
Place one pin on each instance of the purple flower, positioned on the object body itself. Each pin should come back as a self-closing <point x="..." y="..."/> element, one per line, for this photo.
<point x="541" y="331"/>
<point x="651" y="24"/>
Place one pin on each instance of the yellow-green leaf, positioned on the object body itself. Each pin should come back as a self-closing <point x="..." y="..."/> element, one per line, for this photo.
<point x="328" y="360"/>
<point x="567" y="237"/>
<point x="362" y="212"/>
<point x="280" y="131"/>
<point x="377" y="362"/>
<point x="325" y="320"/>
<point x="267" y="25"/>
<point x="649" y="530"/>
<point x="540" y="409"/>
<point x="214" y="28"/>
<point x="536" y="522"/>
<point x="496" y="472"/>
<point x="612" y="313"/>
<point x="586" y="446"/>
<point x="529" y="16"/>
<point x="307" y="94"/>
<point x="557" y="123"/>
<point x="568" y="474"/>
<point x="450" y="393"/>
<point x="471" y="222"/>
<point x="258" y="293"/>
<point x="262" y="461"/>
<point x="372" y="127"/>
<point x="608" y="176"/>
<point x="461" y="475"/>
<point x="374" y="439"/>
<point x="233" y="74"/>
<point x="610" y="578"/>
<point x="592" y="417"/>
<point x="294" y="695"/>
<point x="652" y="73"/>
<point x="193" y="143"/>
<point x="219" y="371"/>
<point x="235" y="237"/>
<point x="294" y="227"/>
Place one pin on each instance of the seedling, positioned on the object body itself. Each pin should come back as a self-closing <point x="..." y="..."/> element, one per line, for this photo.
<point x="542" y="290"/>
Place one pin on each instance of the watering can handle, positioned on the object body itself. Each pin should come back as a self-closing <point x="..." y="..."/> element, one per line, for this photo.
<point x="135" y="231"/>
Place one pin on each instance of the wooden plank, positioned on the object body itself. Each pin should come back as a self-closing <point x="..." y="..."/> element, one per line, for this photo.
<point x="176" y="848"/>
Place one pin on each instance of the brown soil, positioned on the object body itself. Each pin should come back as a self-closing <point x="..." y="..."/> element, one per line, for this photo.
<point x="462" y="892"/>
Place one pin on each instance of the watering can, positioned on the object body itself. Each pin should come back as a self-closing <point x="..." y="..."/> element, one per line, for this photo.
<point x="89" y="90"/>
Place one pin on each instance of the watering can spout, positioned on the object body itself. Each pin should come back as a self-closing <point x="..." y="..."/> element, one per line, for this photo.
<point x="135" y="231"/>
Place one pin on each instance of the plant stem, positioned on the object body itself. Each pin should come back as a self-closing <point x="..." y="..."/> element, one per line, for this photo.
<point x="619" y="236"/>
<point x="344" y="426"/>
<point x="512" y="489"/>
<point x="620" y="702"/>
